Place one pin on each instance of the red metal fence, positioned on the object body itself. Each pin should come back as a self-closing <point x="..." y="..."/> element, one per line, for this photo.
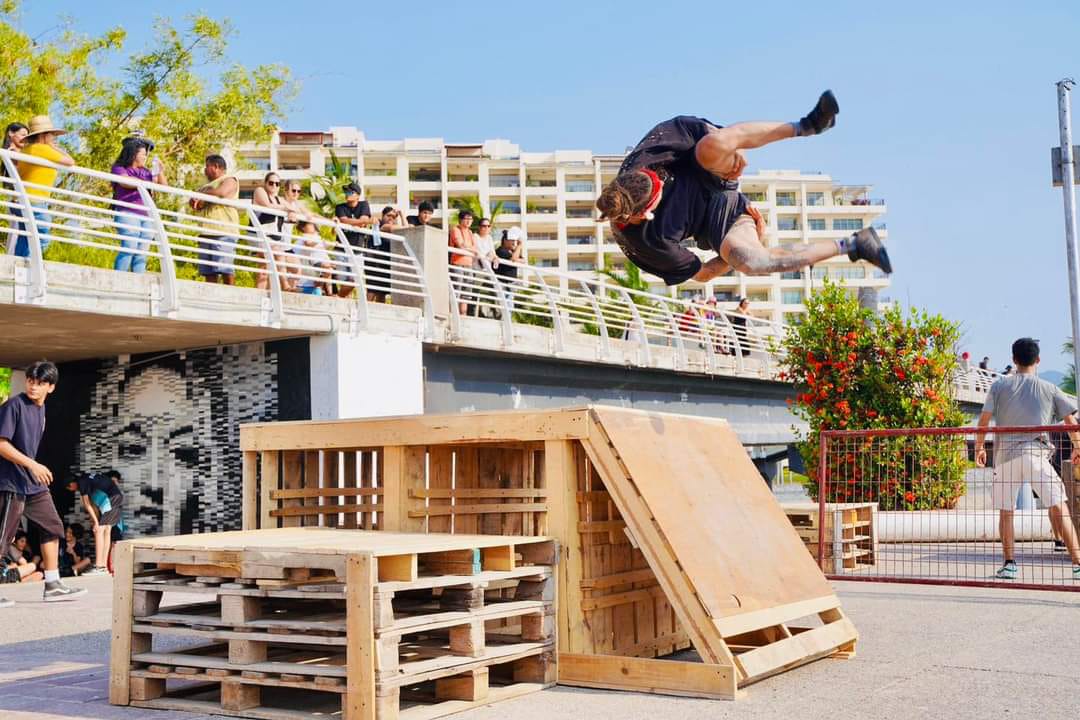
<point x="914" y="506"/>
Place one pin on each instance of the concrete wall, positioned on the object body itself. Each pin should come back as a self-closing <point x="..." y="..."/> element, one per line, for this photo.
<point x="366" y="375"/>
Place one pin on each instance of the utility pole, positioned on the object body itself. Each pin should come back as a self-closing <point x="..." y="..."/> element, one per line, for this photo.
<point x="1068" y="170"/>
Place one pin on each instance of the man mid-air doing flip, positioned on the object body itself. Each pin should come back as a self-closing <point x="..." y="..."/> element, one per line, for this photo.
<point x="681" y="181"/>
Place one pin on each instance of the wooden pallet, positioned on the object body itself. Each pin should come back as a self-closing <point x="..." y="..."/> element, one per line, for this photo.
<point x="302" y="622"/>
<point x="850" y="533"/>
<point x="669" y="539"/>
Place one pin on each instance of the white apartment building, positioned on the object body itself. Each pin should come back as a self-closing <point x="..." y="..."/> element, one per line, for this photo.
<point x="551" y="196"/>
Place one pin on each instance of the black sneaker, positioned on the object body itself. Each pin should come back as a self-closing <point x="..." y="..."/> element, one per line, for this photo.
<point x="1059" y="546"/>
<point x="822" y="117"/>
<point x="868" y="246"/>
<point x="59" y="592"/>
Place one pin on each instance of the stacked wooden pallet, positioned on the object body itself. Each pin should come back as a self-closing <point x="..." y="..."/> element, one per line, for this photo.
<point x="849" y="533"/>
<point x="667" y="534"/>
<point x="307" y="623"/>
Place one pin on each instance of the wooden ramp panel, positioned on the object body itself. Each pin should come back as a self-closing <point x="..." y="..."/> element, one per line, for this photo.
<point x="724" y="552"/>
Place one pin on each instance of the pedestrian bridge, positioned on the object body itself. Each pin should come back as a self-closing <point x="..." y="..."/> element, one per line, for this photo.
<point x="72" y="311"/>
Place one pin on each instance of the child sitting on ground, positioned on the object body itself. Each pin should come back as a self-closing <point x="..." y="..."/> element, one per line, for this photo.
<point x="73" y="559"/>
<point x="19" y="557"/>
<point x="314" y="261"/>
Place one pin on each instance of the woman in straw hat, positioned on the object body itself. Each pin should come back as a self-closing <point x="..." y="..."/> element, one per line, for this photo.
<point x="39" y="178"/>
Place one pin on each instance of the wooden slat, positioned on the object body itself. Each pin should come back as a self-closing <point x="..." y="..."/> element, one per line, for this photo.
<point x="483" y="427"/>
<point x="122" y="612"/>
<point x="268" y="481"/>
<point x="318" y="492"/>
<point x="622" y="578"/>
<point x="327" y="510"/>
<point x="560" y="471"/>
<point x="669" y="677"/>
<point x="738" y="624"/>
<point x="796" y="650"/>
<point x="291" y="480"/>
<point x="469" y="493"/>
<point x="350" y="478"/>
<point x="250" y="489"/>
<point x="360" y="620"/>
<point x="478" y="510"/>
<point x="331" y="479"/>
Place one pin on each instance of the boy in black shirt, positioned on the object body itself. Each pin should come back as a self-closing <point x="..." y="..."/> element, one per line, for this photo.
<point x="353" y="213"/>
<point x="24" y="482"/>
<point x="102" y="499"/>
<point x="681" y="181"/>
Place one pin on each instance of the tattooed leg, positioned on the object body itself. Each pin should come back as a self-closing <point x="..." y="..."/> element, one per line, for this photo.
<point x="711" y="269"/>
<point x="743" y="251"/>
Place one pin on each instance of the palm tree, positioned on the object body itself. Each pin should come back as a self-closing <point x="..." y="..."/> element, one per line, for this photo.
<point x="473" y="205"/>
<point x="324" y="191"/>
<point x="1068" y="383"/>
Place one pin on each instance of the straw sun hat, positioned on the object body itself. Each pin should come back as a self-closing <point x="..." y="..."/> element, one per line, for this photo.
<point x="43" y="124"/>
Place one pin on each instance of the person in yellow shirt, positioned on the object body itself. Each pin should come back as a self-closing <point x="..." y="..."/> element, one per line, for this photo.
<point x="41" y="142"/>
<point x="218" y="239"/>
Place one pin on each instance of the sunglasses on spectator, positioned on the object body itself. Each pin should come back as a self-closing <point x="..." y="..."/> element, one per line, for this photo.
<point x="483" y="225"/>
<point x="274" y="183"/>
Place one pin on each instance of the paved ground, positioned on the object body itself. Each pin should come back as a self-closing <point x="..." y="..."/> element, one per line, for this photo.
<point x="925" y="652"/>
<point x="973" y="561"/>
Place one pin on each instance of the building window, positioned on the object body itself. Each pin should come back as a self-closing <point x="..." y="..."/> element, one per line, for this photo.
<point x="581" y="265"/>
<point x="856" y="272"/>
<point x="795" y="275"/>
<point x="511" y="207"/>
<point x="815" y="198"/>
<point x="819" y="273"/>
<point x="504" y="181"/>
<point x="791" y="297"/>
<point x="755" y="196"/>
<point x="847" y="224"/>
<point x="785" y="198"/>
<point x="579" y="212"/>
<point x="580" y="186"/>
<point x="815" y="223"/>
<point x="787" y="223"/>
<point x="547" y="262"/>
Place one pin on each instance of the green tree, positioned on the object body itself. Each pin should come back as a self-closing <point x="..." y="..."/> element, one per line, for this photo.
<point x="472" y="204"/>
<point x="1068" y="383"/>
<point x="5" y="383"/>
<point x="853" y="370"/>
<point x="179" y="91"/>
<point x="324" y="191"/>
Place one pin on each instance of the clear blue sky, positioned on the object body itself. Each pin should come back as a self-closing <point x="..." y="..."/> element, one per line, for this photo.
<point x="947" y="108"/>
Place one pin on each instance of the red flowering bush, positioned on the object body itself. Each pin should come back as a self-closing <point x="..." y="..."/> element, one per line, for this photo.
<point x="855" y="370"/>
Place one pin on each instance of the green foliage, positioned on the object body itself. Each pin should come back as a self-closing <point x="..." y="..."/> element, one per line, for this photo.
<point x="854" y="369"/>
<point x="472" y="204"/>
<point x="5" y="383"/>
<point x="1068" y="383"/>
<point x="614" y="319"/>
<point x="160" y="91"/>
<point x="325" y="191"/>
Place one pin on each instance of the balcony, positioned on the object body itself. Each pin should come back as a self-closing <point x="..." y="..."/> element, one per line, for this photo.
<point x="504" y="181"/>
<point x="578" y="212"/>
<point x="580" y="186"/>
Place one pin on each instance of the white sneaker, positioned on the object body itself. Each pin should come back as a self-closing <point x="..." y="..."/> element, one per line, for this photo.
<point x="95" y="571"/>
<point x="4" y="602"/>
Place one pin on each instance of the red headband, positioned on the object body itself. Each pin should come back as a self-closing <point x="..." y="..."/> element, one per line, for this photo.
<point x="657" y="186"/>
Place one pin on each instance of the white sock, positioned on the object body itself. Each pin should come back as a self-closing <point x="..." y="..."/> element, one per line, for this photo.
<point x="52" y="575"/>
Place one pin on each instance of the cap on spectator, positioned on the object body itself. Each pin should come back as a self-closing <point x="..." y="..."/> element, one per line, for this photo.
<point x="351" y="189"/>
<point x="514" y="234"/>
<point x="425" y="207"/>
<point x="43" y="124"/>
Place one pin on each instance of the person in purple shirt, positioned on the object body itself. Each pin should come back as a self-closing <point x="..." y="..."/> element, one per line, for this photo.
<point x="132" y="220"/>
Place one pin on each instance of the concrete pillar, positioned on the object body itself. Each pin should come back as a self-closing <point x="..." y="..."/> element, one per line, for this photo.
<point x="429" y="244"/>
<point x="365" y="375"/>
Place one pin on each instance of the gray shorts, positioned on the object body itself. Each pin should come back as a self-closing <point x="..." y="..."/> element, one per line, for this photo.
<point x="217" y="244"/>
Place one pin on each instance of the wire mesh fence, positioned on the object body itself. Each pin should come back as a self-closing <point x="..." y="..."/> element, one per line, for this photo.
<point x="938" y="506"/>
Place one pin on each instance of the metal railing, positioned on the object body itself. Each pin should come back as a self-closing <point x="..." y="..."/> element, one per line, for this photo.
<point x="167" y="233"/>
<point x="615" y="323"/>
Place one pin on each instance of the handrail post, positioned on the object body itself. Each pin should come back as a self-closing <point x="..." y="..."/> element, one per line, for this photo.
<point x="33" y="240"/>
<point x="681" y="360"/>
<point x="556" y="316"/>
<point x="601" y="322"/>
<point x="507" y="321"/>
<point x="356" y="262"/>
<point x="455" y="302"/>
<point x="277" y="303"/>
<point x="643" y="343"/>
<point x="170" y="296"/>
<point x="429" y="310"/>
<point x="707" y="341"/>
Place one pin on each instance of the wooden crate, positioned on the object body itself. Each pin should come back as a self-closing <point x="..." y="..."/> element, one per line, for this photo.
<point x="650" y="565"/>
<point x="1070" y="474"/>
<point x="308" y="622"/>
<point x="850" y="533"/>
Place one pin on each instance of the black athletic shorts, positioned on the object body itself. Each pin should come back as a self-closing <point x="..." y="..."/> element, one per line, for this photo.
<point x="112" y="516"/>
<point x="39" y="509"/>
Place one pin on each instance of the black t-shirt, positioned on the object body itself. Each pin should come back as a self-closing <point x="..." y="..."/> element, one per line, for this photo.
<point x="342" y="210"/>
<point x="414" y="220"/>
<point x="22" y="422"/>
<point x="695" y="203"/>
<point x="503" y="253"/>
<point x="89" y="482"/>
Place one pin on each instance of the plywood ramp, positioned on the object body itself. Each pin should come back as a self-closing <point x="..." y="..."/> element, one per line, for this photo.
<point x="669" y="537"/>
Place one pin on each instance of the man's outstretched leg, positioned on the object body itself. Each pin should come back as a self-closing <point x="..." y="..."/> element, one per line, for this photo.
<point x="743" y="251"/>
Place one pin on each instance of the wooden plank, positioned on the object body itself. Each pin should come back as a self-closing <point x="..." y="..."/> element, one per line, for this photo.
<point x="471" y="686"/>
<point x="768" y="617"/>
<point x="311" y="484"/>
<point x="440" y="476"/>
<point x="404" y="473"/>
<point x="467" y="470"/>
<point x="479" y="510"/>
<point x="121" y="645"/>
<point x="472" y="493"/>
<point x="796" y="650"/>
<point x="331" y="479"/>
<point x="481" y="427"/>
<point x="359" y="701"/>
<point x="250" y="490"/>
<point x="622" y="578"/>
<point x="400" y="568"/>
<point x="560" y="474"/>
<point x="349" y="510"/>
<point x="317" y="492"/>
<point x="350" y="478"/>
<point x="291" y="479"/>
<point x="667" y="677"/>
<point x="268" y="482"/>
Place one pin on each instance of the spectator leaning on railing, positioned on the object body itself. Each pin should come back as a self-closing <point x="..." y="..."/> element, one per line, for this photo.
<point x="14" y="138"/>
<point x="41" y="142"/>
<point x="219" y="236"/>
<point x="133" y="223"/>
<point x="461" y="237"/>
<point x="423" y="214"/>
<point x="353" y="213"/>
<point x="509" y="249"/>
<point x="268" y="195"/>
